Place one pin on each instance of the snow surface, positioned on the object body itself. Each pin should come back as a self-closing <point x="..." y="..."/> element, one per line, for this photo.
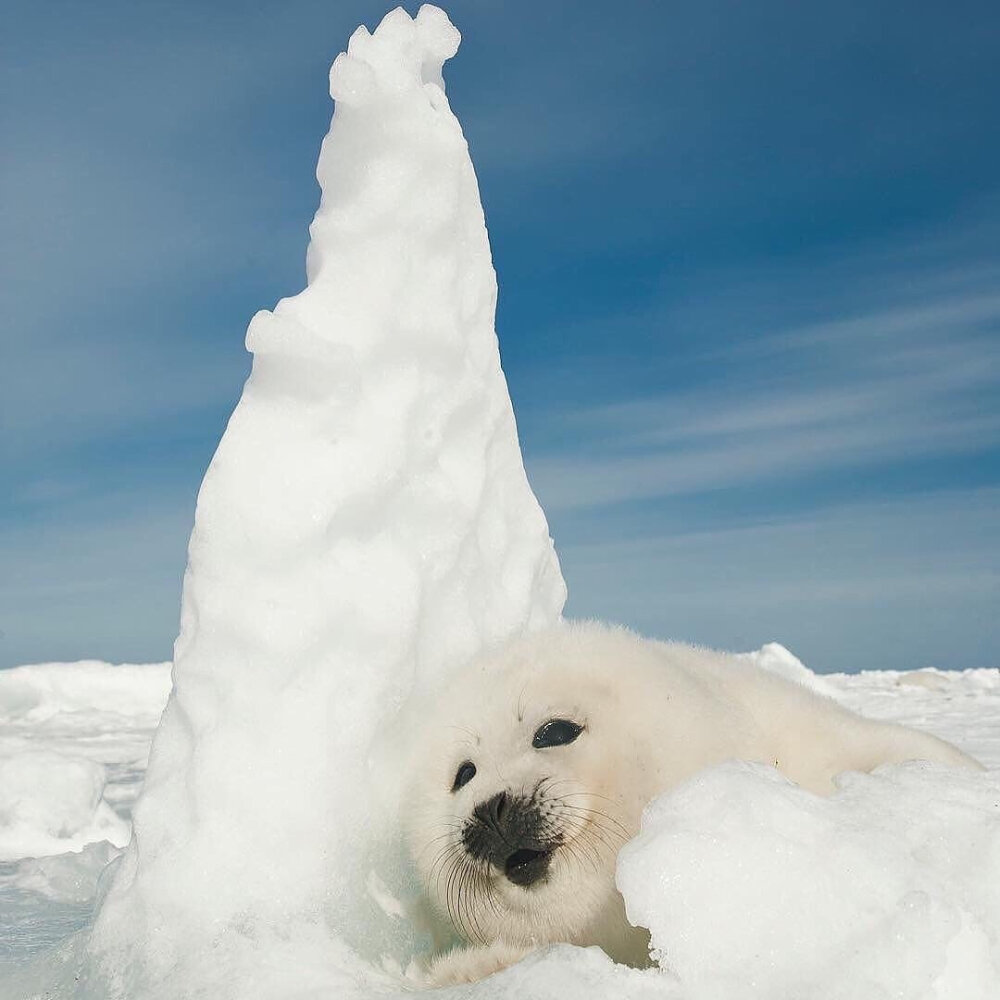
<point x="73" y="745"/>
<point x="365" y="527"/>
<point x="753" y="888"/>
<point x="890" y="887"/>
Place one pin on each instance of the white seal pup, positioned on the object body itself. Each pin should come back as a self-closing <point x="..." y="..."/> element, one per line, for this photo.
<point x="535" y="766"/>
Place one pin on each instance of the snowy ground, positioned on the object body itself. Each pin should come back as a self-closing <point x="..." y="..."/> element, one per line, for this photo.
<point x="60" y="724"/>
<point x="74" y="738"/>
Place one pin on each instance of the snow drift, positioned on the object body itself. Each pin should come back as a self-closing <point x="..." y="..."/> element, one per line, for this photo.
<point x="52" y="802"/>
<point x="755" y="888"/>
<point x="49" y="694"/>
<point x="61" y="725"/>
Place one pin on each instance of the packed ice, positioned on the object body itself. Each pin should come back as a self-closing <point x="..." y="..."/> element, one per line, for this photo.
<point x="73" y="744"/>
<point x="51" y="802"/>
<point x="364" y="529"/>
<point x="891" y="887"/>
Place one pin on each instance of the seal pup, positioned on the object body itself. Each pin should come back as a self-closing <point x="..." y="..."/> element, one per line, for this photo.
<point x="536" y="763"/>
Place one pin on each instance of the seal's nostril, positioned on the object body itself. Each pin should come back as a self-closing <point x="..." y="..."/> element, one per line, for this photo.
<point x="522" y="857"/>
<point x="526" y="866"/>
<point x="500" y="806"/>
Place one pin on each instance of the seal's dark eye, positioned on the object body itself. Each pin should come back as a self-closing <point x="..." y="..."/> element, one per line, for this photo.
<point x="466" y="772"/>
<point x="555" y="733"/>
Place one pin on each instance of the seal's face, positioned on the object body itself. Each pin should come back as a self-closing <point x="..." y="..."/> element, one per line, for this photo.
<point x="517" y="813"/>
<point x="517" y="832"/>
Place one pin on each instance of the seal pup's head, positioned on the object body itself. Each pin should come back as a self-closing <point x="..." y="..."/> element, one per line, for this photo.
<point x="531" y="773"/>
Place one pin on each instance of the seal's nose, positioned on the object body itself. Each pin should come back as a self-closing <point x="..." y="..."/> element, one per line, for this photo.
<point x="507" y="831"/>
<point x="526" y="866"/>
<point x="493" y="810"/>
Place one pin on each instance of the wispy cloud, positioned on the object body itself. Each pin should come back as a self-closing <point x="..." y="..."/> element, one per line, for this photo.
<point x="900" y="383"/>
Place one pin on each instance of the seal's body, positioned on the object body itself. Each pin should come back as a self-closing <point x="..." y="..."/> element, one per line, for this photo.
<point x="537" y="763"/>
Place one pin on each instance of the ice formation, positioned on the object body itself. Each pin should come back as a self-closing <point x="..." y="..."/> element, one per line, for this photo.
<point x="754" y="888"/>
<point x="52" y="802"/>
<point x="365" y="526"/>
<point x="48" y="694"/>
<point x="61" y="725"/>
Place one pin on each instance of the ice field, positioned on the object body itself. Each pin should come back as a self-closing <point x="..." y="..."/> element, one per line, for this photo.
<point x="98" y="720"/>
<point x="364" y="529"/>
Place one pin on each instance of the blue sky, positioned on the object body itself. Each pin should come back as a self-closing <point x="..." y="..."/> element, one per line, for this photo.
<point x="749" y="303"/>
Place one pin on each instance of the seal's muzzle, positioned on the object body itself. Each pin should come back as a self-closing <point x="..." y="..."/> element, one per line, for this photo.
<point x="508" y="832"/>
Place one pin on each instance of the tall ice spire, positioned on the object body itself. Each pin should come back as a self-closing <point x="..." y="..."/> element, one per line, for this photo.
<point x="364" y="527"/>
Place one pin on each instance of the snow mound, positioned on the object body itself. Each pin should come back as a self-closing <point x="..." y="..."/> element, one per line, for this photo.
<point x="778" y="660"/>
<point x="38" y="692"/>
<point x="365" y="527"/>
<point x="73" y="744"/>
<point x="929" y="677"/>
<point x="753" y="888"/>
<point x="50" y="803"/>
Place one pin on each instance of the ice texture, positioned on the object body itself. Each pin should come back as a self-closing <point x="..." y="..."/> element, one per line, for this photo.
<point x="52" y="802"/>
<point x="50" y="694"/>
<point x="73" y="744"/>
<point x="364" y="527"/>
<point x="754" y="888"/>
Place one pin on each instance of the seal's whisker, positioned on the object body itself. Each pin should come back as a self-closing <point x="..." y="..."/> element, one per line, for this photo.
<point x="596" y="812"/>
<point x="444" y="855"/>
<point x="598" y="819"/>
<point x="579" y="791"/>
<point x="576" y="851"/>
<point x="597" y="816"/>
<point x="447" y="862"/>
<point x="491" y="896"/>
<point x="583" y="844"/>
<point x="436" y="840"/>
<point x="454" y="896"/>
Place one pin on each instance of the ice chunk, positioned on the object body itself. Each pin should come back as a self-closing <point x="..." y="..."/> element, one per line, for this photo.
<point x="65" y="878"/>
<point x="96" y="719"/>
<point x="753" y="888"/>
<point x="364" y="527"/>
<point x="51" y="802"/>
